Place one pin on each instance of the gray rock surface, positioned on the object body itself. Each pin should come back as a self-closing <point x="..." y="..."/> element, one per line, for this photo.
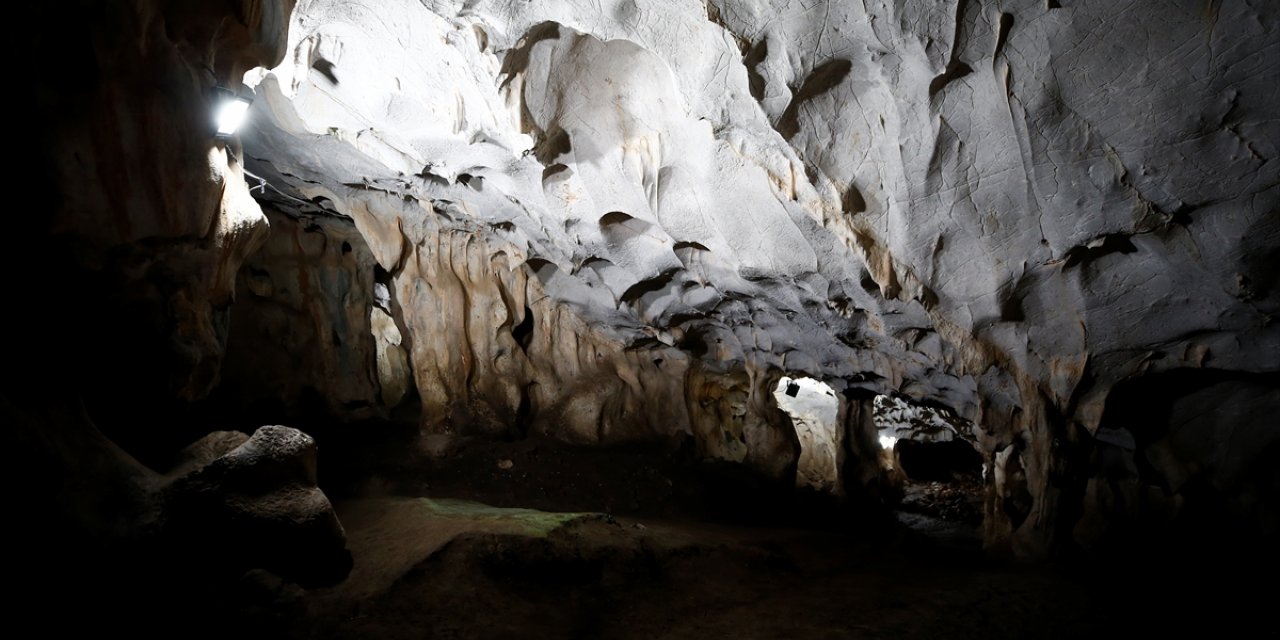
<point x="1005" y="208"/>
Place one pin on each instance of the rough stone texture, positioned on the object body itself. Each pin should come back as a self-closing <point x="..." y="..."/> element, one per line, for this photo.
<point x="127" y="276"/>
<point x="1005" y="208"/>
<point x="303" y="327"/>
<point x="149" y="197"/>
<point x="902" y="420"/>
<point x="147" y="217"/>
<point x="261" y="497"/>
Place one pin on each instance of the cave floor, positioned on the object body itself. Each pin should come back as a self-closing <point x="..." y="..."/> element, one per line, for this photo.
<point x="501" y="540"/>
<point x="458" y="569"/>
<point x="440" y="568"/>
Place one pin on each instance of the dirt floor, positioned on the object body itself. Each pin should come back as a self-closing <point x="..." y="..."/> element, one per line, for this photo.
<point x="434" y="559"/>
<point x="456" y="538"/>
<point x="451" y="569"/>
<point x="477" y="572"/>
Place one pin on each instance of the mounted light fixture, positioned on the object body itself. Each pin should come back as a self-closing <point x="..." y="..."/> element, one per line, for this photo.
<point x="229" y="111"/>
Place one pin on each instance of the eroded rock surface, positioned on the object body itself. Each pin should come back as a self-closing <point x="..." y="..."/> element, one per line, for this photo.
<point x="252" y="502"/>
<point x="147" y="217"/>
<point x="129" y="270"/>
<point x="615" y="220"/>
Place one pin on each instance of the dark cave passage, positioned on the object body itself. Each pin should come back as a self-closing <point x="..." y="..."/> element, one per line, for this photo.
<point x="950" y="461"/>
<point x="942" y="479"/>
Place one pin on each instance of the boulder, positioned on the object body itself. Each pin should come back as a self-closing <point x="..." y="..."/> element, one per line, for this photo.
<point x="258" y="506"/>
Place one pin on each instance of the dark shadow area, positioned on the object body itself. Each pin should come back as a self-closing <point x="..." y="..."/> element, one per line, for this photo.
<point x="644" y="480"/>
<point x="1168" y="481"/>
<point x="948" y="461"/>
<point x="943" y="480"/>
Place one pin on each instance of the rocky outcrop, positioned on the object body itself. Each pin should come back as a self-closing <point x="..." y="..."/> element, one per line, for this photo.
<point x="149" y="216"/>
<point x="228" y="504"/>
<point x="311" y="333"/>
<point x="261" y="492"/>
<point x="145" y="220"/>
<point x="587" y="209"/>
<point x="610" y="221"/>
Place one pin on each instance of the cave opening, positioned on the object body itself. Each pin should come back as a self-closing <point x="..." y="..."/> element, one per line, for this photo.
<point x="813" y="408"/>
<point x="930" y="454"/>
<point x="942" y="479"/>
<point x="523" y="332"/>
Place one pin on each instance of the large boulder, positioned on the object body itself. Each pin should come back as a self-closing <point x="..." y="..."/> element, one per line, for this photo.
<point x="253" y="503"/>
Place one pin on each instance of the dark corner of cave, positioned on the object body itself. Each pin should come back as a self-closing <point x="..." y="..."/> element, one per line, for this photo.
<point x="643" y="319"/>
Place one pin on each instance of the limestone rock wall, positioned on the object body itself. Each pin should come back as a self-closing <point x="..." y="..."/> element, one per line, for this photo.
<point x="127" y="276"/>
<point x="149" y="216"/>
<point x="1003" y="207"/>
<point x="303" y="330"/>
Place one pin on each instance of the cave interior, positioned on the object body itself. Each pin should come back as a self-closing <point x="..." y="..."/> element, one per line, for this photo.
<point x="645" y="318"/>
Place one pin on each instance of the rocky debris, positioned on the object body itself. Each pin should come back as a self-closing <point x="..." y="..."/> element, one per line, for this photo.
<point x="200" y="453"/>
<point x="959" y="502"/>
<point x="257" y="506"/>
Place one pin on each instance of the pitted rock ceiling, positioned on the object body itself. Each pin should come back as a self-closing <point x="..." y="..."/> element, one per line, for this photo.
<point x="613" y="220"/>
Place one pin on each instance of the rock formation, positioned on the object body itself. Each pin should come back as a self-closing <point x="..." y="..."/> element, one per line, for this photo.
<point x="260" y="490"/>
<point x="620" y="220"/>
<point x="616" y="221"/>
<point x="145" y="225"/>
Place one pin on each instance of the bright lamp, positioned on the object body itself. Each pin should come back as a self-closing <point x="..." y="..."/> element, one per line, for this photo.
<point x="230" y="111"/>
